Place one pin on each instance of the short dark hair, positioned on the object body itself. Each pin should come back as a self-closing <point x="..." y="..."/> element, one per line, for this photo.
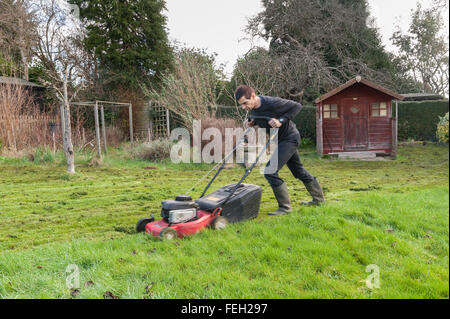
<point x="243" y="90"/>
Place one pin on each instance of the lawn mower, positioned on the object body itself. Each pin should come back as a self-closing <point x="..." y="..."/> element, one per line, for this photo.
<point x="230" y="204"/>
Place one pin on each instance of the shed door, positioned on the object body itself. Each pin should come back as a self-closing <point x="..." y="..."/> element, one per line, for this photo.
<point x="355" y="125"/>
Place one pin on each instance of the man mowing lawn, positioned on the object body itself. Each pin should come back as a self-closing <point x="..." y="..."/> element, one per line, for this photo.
<point x="282" y="112"/>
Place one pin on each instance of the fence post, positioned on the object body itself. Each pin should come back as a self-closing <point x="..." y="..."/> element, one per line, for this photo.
<point x="130" y="111"/>
<point x="395" y="135"/>
<point x="97" y="130"/>
<point x="150" y="127"/>
<point x="103" y="128"/>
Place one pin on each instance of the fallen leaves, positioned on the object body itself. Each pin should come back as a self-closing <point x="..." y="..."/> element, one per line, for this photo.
<point x="109" y="295"/>
<point x="148" y="290"/>
<point x="75" y="293"/>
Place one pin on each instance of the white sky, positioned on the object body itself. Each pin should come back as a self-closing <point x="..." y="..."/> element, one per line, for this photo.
<point x="218" y="25"/>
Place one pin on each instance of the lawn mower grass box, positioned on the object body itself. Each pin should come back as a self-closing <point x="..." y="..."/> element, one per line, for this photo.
<point x="243" y="205"/>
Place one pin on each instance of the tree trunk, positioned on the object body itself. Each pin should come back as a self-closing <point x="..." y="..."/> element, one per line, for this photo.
<point x="67" y="133"/>
<point x="68" y="150"/>
<point x="24" y="65"/>
<point x="23" y="50"/>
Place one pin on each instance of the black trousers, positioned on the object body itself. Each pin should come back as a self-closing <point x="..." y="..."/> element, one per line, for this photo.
<point x="288" y="154"/>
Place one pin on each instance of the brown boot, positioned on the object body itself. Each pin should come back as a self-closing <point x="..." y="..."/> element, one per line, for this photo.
<point x="284" y="203"/>
<point x="316" y="193"/>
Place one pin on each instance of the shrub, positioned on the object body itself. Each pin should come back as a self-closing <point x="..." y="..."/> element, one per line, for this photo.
<point x="154" y="151"/>
<point x="306" y="123"/>
<point x="43" y="155"/>
<point x="442" y="129"/>
<point x="307" y="142"/>
<point x="418" y="120"/>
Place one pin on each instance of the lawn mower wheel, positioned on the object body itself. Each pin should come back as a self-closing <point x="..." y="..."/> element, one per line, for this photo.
<point x="140" y="226"/>
<point x="168" y="233"/>
<point x="219" y="223"/>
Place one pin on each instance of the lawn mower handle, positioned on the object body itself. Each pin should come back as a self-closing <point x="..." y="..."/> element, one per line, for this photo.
<point x="224" y="160"/>
<point x="248" y="171"/>
<point x="257" y="117"/>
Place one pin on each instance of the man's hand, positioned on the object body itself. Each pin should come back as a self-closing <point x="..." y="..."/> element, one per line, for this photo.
<point x="275" y="123"/>
<point x="250" y="123"/>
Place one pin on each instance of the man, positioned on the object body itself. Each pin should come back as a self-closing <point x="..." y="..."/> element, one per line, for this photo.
<point x="281" y="112"/>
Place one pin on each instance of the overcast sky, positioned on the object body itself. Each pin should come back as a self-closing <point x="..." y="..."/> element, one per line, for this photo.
<point x="218" y="25"/>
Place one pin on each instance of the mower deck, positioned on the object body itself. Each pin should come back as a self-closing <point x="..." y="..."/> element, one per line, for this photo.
<point x="184" y="229"/>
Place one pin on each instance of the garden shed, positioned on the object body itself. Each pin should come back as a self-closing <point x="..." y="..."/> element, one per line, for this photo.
<point x="357" y="119"/>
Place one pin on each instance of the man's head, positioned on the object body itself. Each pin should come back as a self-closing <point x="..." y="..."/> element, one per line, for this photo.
<point x="246" y="97"/>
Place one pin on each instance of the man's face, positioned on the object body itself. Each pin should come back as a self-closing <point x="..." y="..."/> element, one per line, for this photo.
<point x="248" y="104"/>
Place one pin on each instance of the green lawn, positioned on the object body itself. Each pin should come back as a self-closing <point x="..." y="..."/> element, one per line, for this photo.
<point x="393" y="214"/>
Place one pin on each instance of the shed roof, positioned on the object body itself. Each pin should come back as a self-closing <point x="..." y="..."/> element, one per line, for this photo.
<point x="358" y="79"/>
<point x="9" y="80"/>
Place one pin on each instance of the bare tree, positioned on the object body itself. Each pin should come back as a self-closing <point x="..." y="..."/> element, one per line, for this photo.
<point x="18" y="34"/>
<point x="314" y="46"/>
<point x="440" y="4"/>
<point x="66" y="63"/>
<point x="424" y="49"/>
<point x="191" y="89"/>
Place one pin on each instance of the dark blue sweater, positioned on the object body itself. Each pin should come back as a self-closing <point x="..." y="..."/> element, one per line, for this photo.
<point x="284" y="111"/>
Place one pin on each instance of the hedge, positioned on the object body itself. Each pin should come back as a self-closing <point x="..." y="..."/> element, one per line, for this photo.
<point x="418" y="120"/>
<point x="306" y="122"/>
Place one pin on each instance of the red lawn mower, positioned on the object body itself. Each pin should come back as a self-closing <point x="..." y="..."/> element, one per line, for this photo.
<point x="232" y="203"/>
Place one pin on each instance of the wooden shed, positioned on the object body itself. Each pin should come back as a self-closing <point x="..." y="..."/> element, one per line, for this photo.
<point x="357" y="118"/>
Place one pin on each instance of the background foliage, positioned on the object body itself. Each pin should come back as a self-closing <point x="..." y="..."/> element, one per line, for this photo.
<point x="442" y="129"/>
<point x="418" y="120"/>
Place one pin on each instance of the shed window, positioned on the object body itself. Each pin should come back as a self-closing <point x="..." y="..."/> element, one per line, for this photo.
<point x="379" y="109"/>
<point x="330" y="111"/>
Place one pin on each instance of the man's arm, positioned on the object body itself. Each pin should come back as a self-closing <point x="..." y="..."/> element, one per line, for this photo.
<point x="288" y="110"/>
<point x="285" y="109"/>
